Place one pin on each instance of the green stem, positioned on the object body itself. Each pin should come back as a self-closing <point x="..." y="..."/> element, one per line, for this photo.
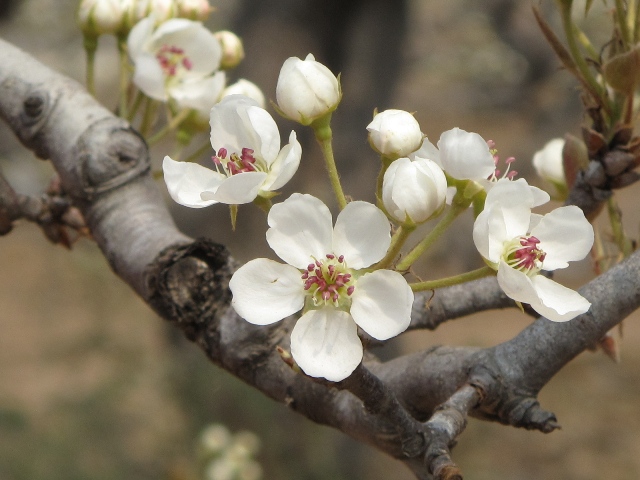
<point x="455" y="280"/>
<point x="397" y="241"/>
<point x="137" y="101"/>
<point x="634" y="15"/>
<point x="615" y="220"/>
<point x="324" y="136"/>
<point x="172" y="125"/>
<point x="431" y="237"/>
<point x="264" y="203"/>
<point x="124" y="76"/>
<point x="588" y="80"/>
<point x="622" y="23"/>
<point x="90" y="46"/>
<point x="147" y="117"/>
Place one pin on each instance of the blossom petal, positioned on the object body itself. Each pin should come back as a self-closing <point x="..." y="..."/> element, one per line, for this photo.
<point x="186" y="181"/>
<point x="558" y="303"/>
<point x="362" y="234"/>
<point x="237" y="189"/>
<point x="300" y="230"/>
<point x="516" y="284"/>
<point x="285" y="165"/>
<point x="325" y="343"/>
<point x="199" y="94"/>
<point x="428" y="150"/>
<point x="381" y="304"/>
<point x="465" y="155"/>
<point x="565" y="235"/>
<point x="139" y="35"/>
<point x="149" y="77"/>
<point x="265" y="291"/>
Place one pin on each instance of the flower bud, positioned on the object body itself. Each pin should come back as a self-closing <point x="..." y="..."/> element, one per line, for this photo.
<point x="246" y="88"/>
<point x="395" y="133"/>
<point x="194" y="9"/>
<point x="98" y="17"/>
<point x="548" y="162"/>
<point x="232" y="49"/>
<point x="161" y="10"/>
<point x="413" y="190"/>
<point x="306" y="90"/>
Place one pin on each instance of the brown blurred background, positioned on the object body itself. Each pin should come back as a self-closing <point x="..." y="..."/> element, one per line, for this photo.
<point x="94" y="386"/>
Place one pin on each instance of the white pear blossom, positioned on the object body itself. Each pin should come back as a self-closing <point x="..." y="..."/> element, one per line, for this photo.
<point x="519" y="244"/>
<point x="413" y="190"/>
<point x="306" y="90"/>
<point x="178" y="55"/>
<point x="232" y="49"/>
<point x="548" y="162"/>
<point x="246" y="88"/>
<point x="194" y="9"/>
<point x="248" y="158"/>
<point x="98" y="17"/>
<point x="323" y="275"/>
<point x="395" y="133"/>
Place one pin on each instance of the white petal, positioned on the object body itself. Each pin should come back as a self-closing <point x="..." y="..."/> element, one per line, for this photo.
<point x="419" y="188"/>
<point x="186" y="181"/>
<point x="285" y="165"/>
<point x="149" y="77"/>
<point x="387" y="190"/>
<point x="429" y="151"/>
<point x="540" y="197"/>
<point x="362" y="234"/>
<point x="558" y="303"/>
<point x="516" y="285"/>
<point x="565" y="235"/>
<point x="265" y="291"/>
<point x="325" y="343"/>
<point x="465" y="155"/>
<point x="381" y="304"/>
<point x="237" y="189"/>
<point x="199" y="94"/>
<point x="300" y="230"/>
<point x="139" y="35"/>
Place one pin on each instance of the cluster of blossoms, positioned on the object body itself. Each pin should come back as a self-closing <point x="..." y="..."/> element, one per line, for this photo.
<point x="339" y="276"/>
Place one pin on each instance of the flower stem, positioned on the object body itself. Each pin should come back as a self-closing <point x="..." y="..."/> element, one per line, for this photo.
<point x="263" y="203"/>
<point x="148" y="117"/>
<point x="124" y="76"/>
<point x="137" y="101"/>
<point x="397" y="241"/>
<point x="324" y="136"/>
<point x="431" y="237"/>
<point x="622" y="23"/>
<point x="171" y="125"/>
<point x="455" y="280"/>
<point x="90" y="47"/>
<point x="615" y="219"/>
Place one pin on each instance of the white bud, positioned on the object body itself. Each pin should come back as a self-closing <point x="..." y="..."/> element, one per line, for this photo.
<point x="306" y="90"/>
<point x="232" y="49"/>
<point x="194" y="9"/>
<point x="395" y="133"/>
<point x="414" y="190"/>
<point x="161" y="10"/>
<point x="548" y="162"/>
<point x="98" y="17"/>
<point x="246" y="88"/>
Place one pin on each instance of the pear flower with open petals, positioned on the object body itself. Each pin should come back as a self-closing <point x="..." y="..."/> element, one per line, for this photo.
<point x="179" y="54"/>
<point x="248" y="158"/>
<point x="519" y="244"/>
<point x="323" y="276"/>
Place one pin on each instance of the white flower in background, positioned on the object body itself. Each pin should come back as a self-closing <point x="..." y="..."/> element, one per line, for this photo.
<point x="306" y="90"/>
<point x="194" y="9"/>
<point x="395" y="133"/>
<point x="246" y="88"/>
<point x="323" y="276"/>
<point x="415" y="189"/>
<point x="200" y="94"/>
<point x="98" y="17"/>
<point x="464" y="155"/>
<point x="177" y="51"/>
<point x="161" y="10"/>
<point x="549" y="164"/>
<point x="248" y="158"/>
<point x="518" y="244"/>
<point x="232" y="49"/>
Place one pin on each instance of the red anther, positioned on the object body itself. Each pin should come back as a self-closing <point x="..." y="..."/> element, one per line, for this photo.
<point x="512" y="174"/>
<point x="510" y="160"/>
<point x="325" y="295"/>
<point x="186" y="63"/>
<point x="318" y="264"/>
<point x="341" y="258"/>
<point x="330" y="256"/>
<point x="222" y="153"/>
<point x="346" y="277"/>
<point x="216" y="160"/>
<point x="305" y="275"/>
<point x="310" y="267"/>
<point x="350" y="289"/>
<point x="491" y="143"/>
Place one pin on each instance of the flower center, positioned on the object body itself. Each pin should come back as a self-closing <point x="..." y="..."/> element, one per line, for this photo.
<point x="234" y="163"/>
<point x="171" y="59"/>
<point x="524" y="254"/>
<point x="498" y="174"/>
<point x="328" y="281"/>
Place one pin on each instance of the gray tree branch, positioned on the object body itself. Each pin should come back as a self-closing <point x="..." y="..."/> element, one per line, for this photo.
<point x="104" y="169"/>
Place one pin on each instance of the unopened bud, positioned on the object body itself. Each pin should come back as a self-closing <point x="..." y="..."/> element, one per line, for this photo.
<point x="194" y="9"/>
<point x="395" y="133"/>
<point x="232" y="49"/>
<point x="99" y="17"/>
<point x="161" y="10"/>
<point x="246" y="88"/>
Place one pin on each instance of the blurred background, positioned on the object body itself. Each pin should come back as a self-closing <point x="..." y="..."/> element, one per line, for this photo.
<point x="93" y="385"/>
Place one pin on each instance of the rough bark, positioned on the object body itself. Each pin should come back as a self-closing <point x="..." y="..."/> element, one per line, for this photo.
<point x="412" y="407"/>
